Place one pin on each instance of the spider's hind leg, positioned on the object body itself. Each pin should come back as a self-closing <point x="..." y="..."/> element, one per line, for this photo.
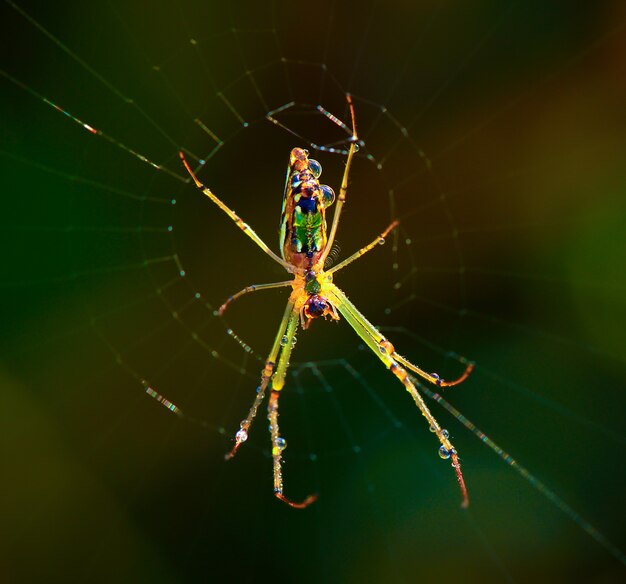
<point x="278" y="442"/>
<point x="266" y="375"/>
<point x="385" y="352"/>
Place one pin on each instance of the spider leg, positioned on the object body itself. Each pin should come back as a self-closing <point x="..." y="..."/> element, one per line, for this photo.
<point x="243" y="226"/>
<point x="434" y="377"/>
<point x="355" y="256"/>
<point x="279" y="443"/>
<point x="252" y="288"/>
<point x="384" y="350"/>
<point x="266" y="375"/>
<point x="344" y="185"/>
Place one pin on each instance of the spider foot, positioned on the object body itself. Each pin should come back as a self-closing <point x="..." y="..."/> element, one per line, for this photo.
<point x="456" y="465"/>
<point x="240" y="438"/>
<point x="310" y="499"/>
<point x="442" y="383"/>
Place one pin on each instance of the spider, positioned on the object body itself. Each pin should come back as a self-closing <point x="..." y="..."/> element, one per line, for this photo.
<point x="305" y="245"/>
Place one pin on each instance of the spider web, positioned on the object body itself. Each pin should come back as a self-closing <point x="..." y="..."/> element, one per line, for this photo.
<point x="487" y="130"/>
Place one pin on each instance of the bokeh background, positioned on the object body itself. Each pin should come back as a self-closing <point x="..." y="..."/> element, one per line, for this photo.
<point x="500" y="133"/>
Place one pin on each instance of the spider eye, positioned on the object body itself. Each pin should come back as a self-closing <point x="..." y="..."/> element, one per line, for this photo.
<point x="328" y="195"/>
<point x="315" y="167"/>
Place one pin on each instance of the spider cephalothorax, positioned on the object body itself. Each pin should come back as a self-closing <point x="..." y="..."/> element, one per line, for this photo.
<point x="314" y="302"/>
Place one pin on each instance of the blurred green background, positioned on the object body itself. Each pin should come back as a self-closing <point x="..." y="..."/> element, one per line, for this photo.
<point x="500" y="131"/>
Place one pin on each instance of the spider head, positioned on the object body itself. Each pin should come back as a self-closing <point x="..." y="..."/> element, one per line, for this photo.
<point x="315" y="307"/>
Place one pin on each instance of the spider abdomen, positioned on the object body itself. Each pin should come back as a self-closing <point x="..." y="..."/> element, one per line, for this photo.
<point x="303" y="220"/>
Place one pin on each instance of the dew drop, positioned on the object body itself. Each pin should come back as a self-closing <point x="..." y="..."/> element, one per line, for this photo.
<point x="381" y="241"/>
<point x="315" y="167"/>
<point x="328" y="194"/>
<point x="444" y="453"/>
<point x="284" y="340"/>
<point x="281" y="443"/>
<point x="445" y="433"/>
<point x="241" y="436"/>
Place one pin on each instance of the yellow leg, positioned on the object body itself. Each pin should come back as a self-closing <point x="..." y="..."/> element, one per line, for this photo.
<point x="252" y="288"/>
<point x="384" y="350"/>
<point x="243" y="226"/>
<point x="344" y="186"/>
<point x="266" y="375"/>
<point x="279" y="443"/>
<point x="380" y="339"/>
<point x="355" y="256"/>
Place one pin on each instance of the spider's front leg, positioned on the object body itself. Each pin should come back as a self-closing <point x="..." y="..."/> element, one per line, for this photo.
<point x="266" y="375"/>
<point x="278" y="442"/>
<point x="385" y="352"/>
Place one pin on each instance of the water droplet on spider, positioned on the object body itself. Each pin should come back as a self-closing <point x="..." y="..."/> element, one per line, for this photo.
<point x="294" y="341"/>
<point x="357" y="146"/>
<point x="444" y="452"/>
<point x="381" y="241"/>
<point x="315" y="167"/>
<point x="281" y="443"/>
<point x="328" y="194"/>
<point x="445" y="433"/>
<point x="284" y="340"/>
<point x="241" y="436"/>
<point x="432" y="429"/>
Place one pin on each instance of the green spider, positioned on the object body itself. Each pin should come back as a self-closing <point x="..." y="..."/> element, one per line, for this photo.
<point x="305" y="245"/>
